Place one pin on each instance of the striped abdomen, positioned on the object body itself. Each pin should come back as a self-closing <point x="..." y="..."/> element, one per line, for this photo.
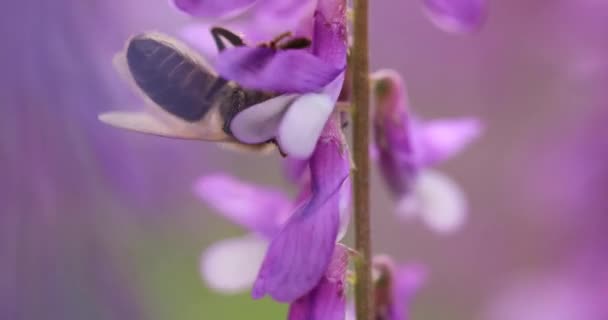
<point x="172" y="79"/>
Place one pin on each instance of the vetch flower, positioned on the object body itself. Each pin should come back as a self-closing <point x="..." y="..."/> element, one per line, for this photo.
<point x="230" y="265"/>
<point x="307" y="81"/>
<point x="456" y="15"/>
<point x="406" y="147"/>
<point x="394" y="287"/>
<point x="327" y="300"/>
<point x="317" y="75"/>
<point x="255" y="20"/>
<point x="299" y="255"/>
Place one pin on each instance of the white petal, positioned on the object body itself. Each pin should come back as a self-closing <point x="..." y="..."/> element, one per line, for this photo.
<point x="231" y="266"/>
<point x="437" y="200"/>
<point x="302" y="124"/>
<point x="259" y="123"/>
<point x="142" y="122"/>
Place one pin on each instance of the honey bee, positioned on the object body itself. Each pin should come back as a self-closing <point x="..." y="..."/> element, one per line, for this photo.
<point x="187" y="98"/>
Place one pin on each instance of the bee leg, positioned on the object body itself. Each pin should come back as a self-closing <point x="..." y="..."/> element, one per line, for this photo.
<point x="275" y="42"/>
<point x="295" y="43"/>
<point x="274" y="141"/>
<point x="220" y="33"/>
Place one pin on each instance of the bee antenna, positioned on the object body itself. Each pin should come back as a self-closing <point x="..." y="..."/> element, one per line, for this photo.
<point x="219" y="34"/>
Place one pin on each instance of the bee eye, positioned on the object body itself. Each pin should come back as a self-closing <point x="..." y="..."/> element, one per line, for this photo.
<point x="171" y="78"/>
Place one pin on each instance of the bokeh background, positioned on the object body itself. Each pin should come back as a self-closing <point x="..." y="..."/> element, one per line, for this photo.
<point x="97" y="223"/>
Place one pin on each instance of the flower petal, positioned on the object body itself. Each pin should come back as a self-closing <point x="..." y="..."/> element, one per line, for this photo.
<point x="300" y="254"/>
<point x="231" y="265"/>
<point x="442" y="139"/>
<point x="345" y="207"/>
<point x="327" y="301"/>
<point x="437" y="200"/>
<point x="302" y="124"/>
<point x="457" y="15"/>
<point x="409" y="279"/>
<point x="212" y="8"/>
<point x="395" y="287"/>
<point x="199" y="37"/>
<point x="392" y="132"/>
<point x="254" y="207"/>
<point x="294" y="169"/>
<point x="282" y="71"/>
<point x="259" y="123"/>
<point x="330" y="36"/>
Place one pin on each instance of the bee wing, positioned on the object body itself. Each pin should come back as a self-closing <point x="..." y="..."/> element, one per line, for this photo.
<point x="154" y="119"/>
<point x="262" y="148"/>
<point x="143" y="122"/>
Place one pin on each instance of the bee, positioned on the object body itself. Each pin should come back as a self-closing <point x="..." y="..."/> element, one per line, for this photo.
<point x="187" y="98"/>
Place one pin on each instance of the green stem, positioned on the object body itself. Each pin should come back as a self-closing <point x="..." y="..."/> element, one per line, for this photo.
<point x="359" y="65"/>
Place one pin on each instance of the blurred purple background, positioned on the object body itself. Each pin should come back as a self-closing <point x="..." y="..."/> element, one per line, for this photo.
<point x="97" y="223"/>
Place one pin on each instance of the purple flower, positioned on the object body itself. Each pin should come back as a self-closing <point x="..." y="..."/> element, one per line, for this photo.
<point x="317" y="74"/>
<point x="256" y="20"/>
<point x="281" y="71"/>
<point x="406" y="147"/>
<point x="231" y="265"/>
<point x="395" y="287"/>
<point x="327" y="301"/>
<point x="300" y="254"/>
<point x="321" y="204"/>
<point x="457" y="15"/>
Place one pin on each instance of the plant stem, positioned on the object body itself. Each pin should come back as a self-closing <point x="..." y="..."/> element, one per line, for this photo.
<point x="359" y="65"/>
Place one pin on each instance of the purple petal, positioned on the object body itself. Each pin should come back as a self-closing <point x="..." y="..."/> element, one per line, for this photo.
<point x="408" y="280"/>
<point x="392" y="132"/>
<point x="441" y="139"/>
<point x="330" y="36"/>
<point x="327" y="300"/>
<point x="230" y="266"/>
<point x="260" y="123"/>
<point x="300" y="254"/>
<point x="437" y="200"/>
<point x="294" y="169"/>
<point x="395" y="287"/>
<point x="302" y="124"/>
<point x="281" y="15"/>
<point x="212" y="8"/>
<point x="457" y="15"/>
<point x="254" y="207"/>
<point x="282" y="71"/>
<point x="199" y="37"/>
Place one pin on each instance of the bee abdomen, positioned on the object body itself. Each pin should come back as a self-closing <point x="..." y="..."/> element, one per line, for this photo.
<point x="171" y="79"/>
<point x="238" y="99"/>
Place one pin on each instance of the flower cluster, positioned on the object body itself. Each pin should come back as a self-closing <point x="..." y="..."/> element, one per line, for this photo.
<point x="287" y="72"/>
